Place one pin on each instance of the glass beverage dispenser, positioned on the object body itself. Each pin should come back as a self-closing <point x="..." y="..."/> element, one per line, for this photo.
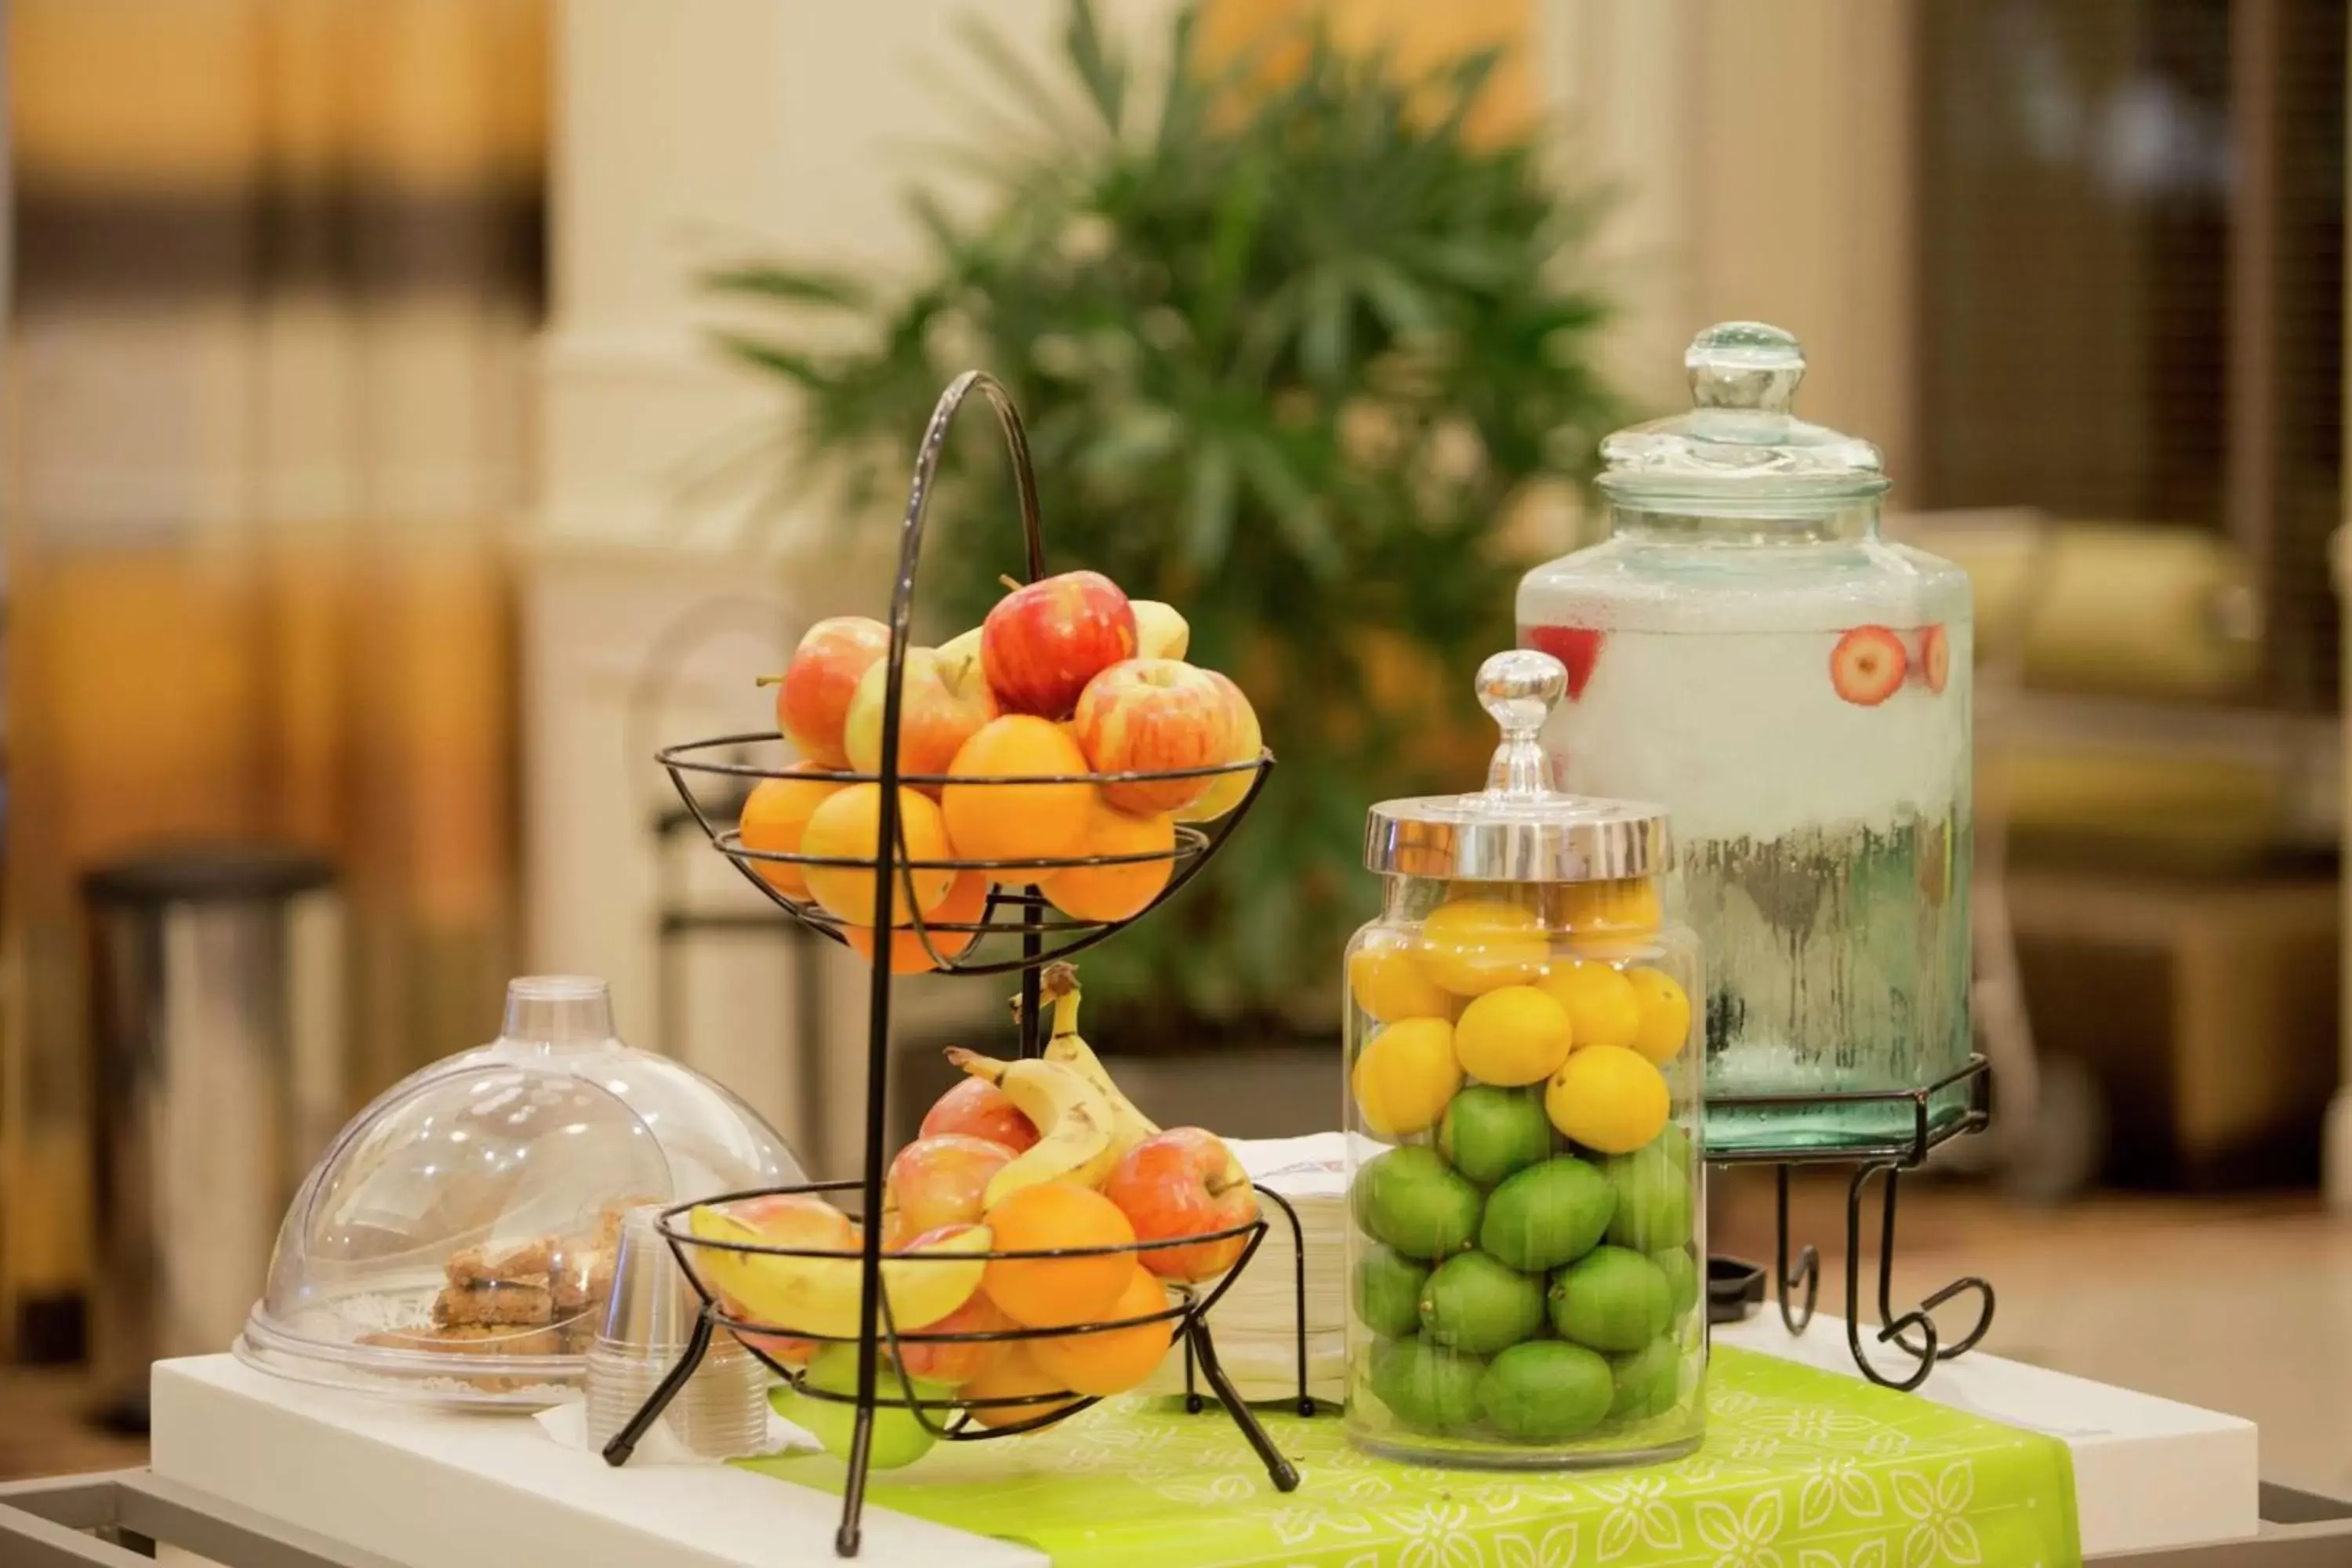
<point x="1747" y="651"/>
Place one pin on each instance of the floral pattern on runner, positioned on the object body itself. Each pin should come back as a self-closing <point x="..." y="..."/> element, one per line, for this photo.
<point x="1802" y="1468"/>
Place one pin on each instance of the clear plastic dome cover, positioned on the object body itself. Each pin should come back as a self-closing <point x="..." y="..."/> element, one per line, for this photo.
<point x="456" y="1241"/>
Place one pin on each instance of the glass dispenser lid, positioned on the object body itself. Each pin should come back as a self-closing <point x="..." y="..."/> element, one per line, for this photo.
<point x="1521" y="827"/>
<point x="1738" y="448"/>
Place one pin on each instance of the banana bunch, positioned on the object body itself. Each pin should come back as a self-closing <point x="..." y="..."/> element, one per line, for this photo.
<point x="1085" y="1123"/>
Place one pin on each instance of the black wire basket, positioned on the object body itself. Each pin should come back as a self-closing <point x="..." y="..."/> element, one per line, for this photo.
<point x="957" y="1416"/>
<point x="1019" y="909"/>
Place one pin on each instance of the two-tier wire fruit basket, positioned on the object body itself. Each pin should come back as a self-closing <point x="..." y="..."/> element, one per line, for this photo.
<point x="1017" y="930"/>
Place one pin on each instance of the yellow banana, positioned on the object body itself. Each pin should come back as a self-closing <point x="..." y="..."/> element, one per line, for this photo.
<point x="1059" y="982"/>
<point x="1074" y="1123"/>
<point x="821" y="1295"/>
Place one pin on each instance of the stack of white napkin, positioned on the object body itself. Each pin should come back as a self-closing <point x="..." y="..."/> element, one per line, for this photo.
<point x="1256" y="1324"/>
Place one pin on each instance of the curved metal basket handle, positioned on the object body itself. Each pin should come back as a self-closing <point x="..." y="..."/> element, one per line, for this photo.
<point x="889" y="829"/>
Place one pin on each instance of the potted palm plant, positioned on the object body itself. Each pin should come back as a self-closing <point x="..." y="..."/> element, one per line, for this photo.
<point x="1296" y="346"/>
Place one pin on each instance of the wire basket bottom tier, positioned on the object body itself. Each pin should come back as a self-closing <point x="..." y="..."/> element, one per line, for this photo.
<point x="903" y="1356"/>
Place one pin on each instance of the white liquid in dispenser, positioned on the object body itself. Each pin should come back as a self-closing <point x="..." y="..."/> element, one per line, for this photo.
<point x="1810" y="739"/>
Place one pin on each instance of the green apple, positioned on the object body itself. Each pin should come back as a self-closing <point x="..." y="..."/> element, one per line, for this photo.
<point x="899" y="1436"/>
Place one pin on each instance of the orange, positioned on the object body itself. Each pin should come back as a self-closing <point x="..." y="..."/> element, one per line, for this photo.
<point x="1017" y="821"/>
<point x="1016" y="1374"/>
<point x="1121" y="891"/>
<point x="1113" y="1359"/>
<point x="775" y="814"/>
<point x="965" y="903"/>
<point x="1058" y="1292"/>
<point x="849" y="825"/>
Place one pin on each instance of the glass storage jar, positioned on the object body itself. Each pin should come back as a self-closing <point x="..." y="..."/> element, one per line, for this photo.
<point x="1527" y="1254"/>
<point x="1747" y="651"/>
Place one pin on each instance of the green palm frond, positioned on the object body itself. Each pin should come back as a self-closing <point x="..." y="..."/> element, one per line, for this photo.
<point x="1290" y="345"/>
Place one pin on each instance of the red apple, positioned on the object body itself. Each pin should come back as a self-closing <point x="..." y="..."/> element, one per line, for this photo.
<point x="1183" y="1182"/>
<point x="940" y="1181"/>
<point x="941" y="704"/>
<point x="1159" y="631"/>
<point x="980" y="1110"/>
<point x="1045" y="640"/>
<point x="786" y="1349"/>
<point x="813" y="695"/>
<point x="1243" y="743"/>
<point x="959" y="1363"/>
<point x="1152" y="715"/>
<point x="792" y="1219"/>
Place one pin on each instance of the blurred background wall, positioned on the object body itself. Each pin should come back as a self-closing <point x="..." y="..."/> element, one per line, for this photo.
<point x="371" y="481"/>
<point x="276" y="267"/>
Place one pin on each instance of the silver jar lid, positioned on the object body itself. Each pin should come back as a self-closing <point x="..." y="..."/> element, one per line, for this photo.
<point x="1521" y="827"/>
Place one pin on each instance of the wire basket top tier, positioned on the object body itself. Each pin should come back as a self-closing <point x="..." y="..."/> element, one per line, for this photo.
<point x="716" y="775"/>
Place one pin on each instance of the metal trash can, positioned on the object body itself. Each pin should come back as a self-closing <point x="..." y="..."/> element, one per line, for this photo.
<point x="218" y="1027"/>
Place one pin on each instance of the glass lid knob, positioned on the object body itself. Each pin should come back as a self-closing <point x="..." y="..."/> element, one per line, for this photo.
<point x="1744" y="365"/>
<point x="1519" y="689"/>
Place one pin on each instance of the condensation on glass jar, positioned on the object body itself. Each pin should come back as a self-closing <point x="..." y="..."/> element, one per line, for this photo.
<point x="1527" y="1260"/>
<point x="1746" y="650"/>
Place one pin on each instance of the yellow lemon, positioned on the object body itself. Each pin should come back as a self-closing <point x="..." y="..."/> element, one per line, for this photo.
<point x="1608" y="1099"/>
<point x="1602" y="1009"/>
<point x="1631" y="904"/>
<point x="1405" y="1075"/>
<point x="1389" y="985"/>
<point x="1472" y="946"/>
<point x="1512" y="1035"/>
<point x="1665" y="1014"/>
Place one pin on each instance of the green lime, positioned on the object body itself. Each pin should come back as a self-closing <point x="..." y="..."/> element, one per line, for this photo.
<point x="1682" y="1276"/>
<point x="1425" y="1385"/>
<point x="1671" y="1144"/>
<point x="1548" y="1214"/>
<point x="1388" y="1292"/>
<point x="1413" y="1200"/>
<point x="899" y="1436"/>
<point x="1489" y="1133"/>
<point x="1612" y="1300"/>
<point x="1654" y="1198"/>
<point x="1546" y="1392"/>
<point x="1646" y="1380"/>
<point x="1475" y="1304"/>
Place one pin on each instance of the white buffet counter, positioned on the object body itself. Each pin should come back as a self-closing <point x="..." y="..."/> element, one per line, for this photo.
<point x="433" y="1488"/>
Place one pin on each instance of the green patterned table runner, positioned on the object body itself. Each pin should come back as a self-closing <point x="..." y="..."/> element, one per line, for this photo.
<point x="1802" y="1468"/>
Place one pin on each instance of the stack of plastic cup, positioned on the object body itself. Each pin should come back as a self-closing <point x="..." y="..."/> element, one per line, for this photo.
<point x="722" y="1411"/>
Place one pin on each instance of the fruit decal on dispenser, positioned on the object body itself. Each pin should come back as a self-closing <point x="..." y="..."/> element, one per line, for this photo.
<point x="1577" y="648"/>
<point x="1524" y="1263"/>
<point x="1935" y="657"/>
<point x="1870" y="664"/>
<point x="1026" y="734"/>
<point x="1866" y="666"/>
<point x="1037" y="1198"/>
